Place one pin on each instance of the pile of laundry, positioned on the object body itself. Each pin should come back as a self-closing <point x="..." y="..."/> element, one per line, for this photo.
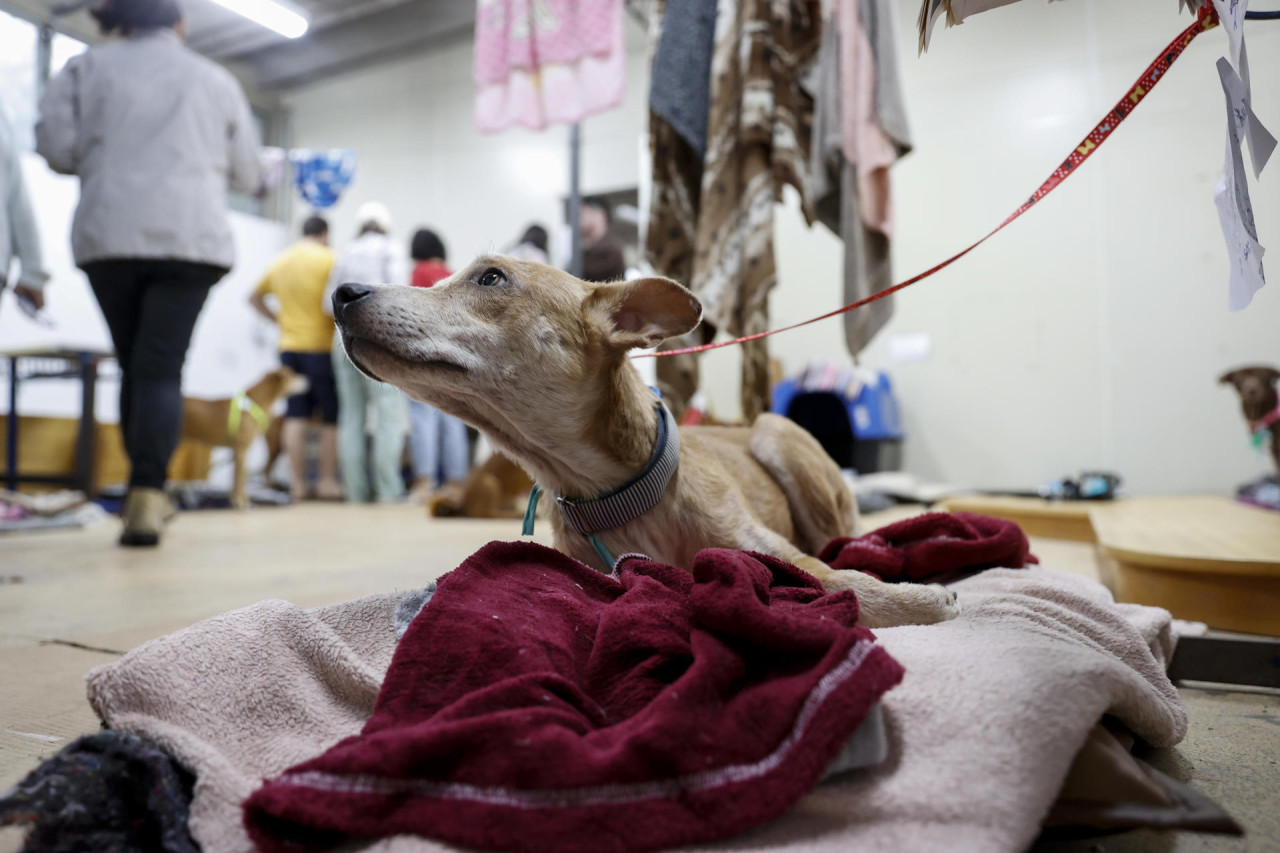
<point x="20" y="511"/>
<point x="526" y="702"/>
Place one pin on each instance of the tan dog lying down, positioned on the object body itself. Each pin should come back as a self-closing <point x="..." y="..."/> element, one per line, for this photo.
<point x="212" y="422"/>
<point x="537" y="361"/>
<point x="495" y="489"/>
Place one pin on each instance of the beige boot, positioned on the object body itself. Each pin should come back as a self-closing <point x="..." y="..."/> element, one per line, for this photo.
<point x="423" y="490"/>
<point x="146" y="511"/>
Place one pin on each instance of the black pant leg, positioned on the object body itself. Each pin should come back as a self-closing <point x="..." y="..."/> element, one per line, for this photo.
<point x="170" y="304"/>
<point x="118" y="286"/>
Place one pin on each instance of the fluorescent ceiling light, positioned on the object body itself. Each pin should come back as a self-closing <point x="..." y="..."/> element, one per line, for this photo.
<point x="285" y="20"/>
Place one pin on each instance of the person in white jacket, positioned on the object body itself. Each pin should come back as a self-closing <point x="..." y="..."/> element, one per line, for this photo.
<point x="372" y="258"/>
<point x="19" y="236"/>
<point x="157" y="135"/>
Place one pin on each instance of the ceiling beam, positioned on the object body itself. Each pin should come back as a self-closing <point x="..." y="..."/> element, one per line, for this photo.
<point x="233" y="42"/>
<point x="398" y="29"/>
<point x="78" y="25"/>
<point x="83" y="27"/>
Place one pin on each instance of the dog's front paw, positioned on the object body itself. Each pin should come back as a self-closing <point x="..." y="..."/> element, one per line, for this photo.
<point x="240" y="503"/>
<point x="896" y="604"/>
<point x="885" y="605"/>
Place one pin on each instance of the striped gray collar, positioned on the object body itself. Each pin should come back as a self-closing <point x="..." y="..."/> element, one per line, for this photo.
<point x="634" y="499"/>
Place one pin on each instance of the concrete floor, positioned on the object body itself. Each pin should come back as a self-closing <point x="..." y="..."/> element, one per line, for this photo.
<point x="70" y="601"/>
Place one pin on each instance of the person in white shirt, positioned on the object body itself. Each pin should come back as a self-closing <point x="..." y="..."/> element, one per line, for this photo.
<point x="372" y="259"/>
<point x="156" y="135"/>
<point x="19" y="236"/>
<point x="532" y="246"/>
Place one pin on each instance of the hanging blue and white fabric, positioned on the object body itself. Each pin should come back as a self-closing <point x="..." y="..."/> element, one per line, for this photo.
<point x="321" y="176"/>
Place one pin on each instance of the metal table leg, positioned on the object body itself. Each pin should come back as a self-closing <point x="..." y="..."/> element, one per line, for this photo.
<point x="86" y="443"/>
<point x="11" y="440"/>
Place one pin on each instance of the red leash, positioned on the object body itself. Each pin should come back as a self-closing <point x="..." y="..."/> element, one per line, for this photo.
<point x="1207" y="19"/>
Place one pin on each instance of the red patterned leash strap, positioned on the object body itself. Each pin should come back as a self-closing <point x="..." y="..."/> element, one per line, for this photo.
<point x="1206" y="19"/>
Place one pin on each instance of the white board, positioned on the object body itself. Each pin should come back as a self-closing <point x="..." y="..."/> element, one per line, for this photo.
<point x="231" y="348"/>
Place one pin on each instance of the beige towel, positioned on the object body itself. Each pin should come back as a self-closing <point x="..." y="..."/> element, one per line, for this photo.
<point x="249" y="693"/>
<point x="993" y="709"/>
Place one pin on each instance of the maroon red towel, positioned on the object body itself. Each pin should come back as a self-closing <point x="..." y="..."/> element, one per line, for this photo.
<point x="933" y="547"/>
<point x="538" y="705"/>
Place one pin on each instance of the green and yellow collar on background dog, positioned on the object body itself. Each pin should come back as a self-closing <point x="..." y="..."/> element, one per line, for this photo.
<point x="241" y="403"/>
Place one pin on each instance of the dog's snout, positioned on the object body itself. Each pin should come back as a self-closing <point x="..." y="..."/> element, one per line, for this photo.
<point x="348" y="294"/>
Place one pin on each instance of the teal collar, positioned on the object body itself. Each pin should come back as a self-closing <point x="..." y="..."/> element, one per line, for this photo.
<point x="626" y="503"/>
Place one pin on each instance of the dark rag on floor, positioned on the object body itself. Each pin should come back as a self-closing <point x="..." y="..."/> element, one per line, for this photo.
<point x="536" y="705"/>
<point x="110" y="793"/>
<point x="936" y="547"/>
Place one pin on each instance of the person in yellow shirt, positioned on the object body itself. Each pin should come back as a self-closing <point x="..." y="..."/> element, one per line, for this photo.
<point x="297" y="280"/>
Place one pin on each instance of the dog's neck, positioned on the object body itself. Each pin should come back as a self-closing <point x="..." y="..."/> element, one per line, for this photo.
<point x="591" y="445"/>
<point x="1270" y="416"/>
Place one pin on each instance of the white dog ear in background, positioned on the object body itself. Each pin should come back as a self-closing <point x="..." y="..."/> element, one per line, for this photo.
<point x="297" y="385"/>
<point x="482" y="452"/>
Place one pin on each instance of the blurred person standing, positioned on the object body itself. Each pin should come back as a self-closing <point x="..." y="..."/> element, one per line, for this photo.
<point x="532" y="246"/>
<point x="602" y="258"/>
<point x="437" y="442"/>
<point x="156" y="134"/>
<point x="428" y="254"/>
<point x="297" y="279"/>
<point x="372" y="259"/>
<point x="19" y="236"/>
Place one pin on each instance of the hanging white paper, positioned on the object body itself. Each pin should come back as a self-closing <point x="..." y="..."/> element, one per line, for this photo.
<point x="1235" y="210"/>
<point x="1231" y="195"/>
<point x="1261" y="142"/>
<point x="1231" y="19"/>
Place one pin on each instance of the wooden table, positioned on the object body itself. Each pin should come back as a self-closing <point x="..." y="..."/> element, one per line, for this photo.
<point x="34" y="364"/>
<point x="1036" y="516"/>
<point x="1208" y="559"/>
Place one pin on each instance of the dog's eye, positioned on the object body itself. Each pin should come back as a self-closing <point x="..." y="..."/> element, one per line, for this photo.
<point x="492" y="277"/>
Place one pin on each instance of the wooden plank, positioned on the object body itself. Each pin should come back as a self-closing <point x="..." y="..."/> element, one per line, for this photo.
<point x="1207" y="559"/>
<point x="1037" y="517"/>
<point x="48" y="446"/>
<point x="1198" y="534"/>
<point x="43" y="705"/>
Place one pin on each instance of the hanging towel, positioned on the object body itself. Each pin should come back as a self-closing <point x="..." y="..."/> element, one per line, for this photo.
<point x="880" y="19"/>
<point x="758" y="141"/>
<point x="680" y="85"/>
<point x="683" y="35"/>
<point x="544" y="62"/>
<point x="537" y="705"/>
<point x="860" y="129"/>
<point x="867" y="268"/>
<point x="863" y="140"/>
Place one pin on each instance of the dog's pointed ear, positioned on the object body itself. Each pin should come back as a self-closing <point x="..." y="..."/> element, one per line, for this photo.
<point x="1269" y="375"/>
<point x="644" y="312"/>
